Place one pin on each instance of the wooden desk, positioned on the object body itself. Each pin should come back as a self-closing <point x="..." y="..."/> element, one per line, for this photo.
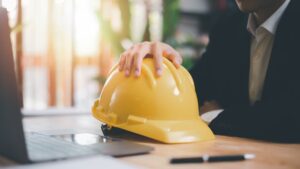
<point x="269" y="155"/>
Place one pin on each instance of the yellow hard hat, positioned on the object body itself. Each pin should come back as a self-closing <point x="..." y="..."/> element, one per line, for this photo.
<point x="163" y="108"/>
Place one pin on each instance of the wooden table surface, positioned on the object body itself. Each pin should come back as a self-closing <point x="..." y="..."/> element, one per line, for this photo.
<point x="268" y="155"/>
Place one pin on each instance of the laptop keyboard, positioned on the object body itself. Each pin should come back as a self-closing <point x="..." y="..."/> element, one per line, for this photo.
<point x="42" y="147"/>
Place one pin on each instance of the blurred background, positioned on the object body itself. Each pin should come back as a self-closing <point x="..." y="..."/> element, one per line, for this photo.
<point x="64" y="49"/>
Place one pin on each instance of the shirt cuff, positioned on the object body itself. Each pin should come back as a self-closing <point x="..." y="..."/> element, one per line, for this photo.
<point x="211" y="115"/>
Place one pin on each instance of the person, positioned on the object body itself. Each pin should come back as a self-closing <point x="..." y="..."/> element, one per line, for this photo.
<point x="248" y="79"/>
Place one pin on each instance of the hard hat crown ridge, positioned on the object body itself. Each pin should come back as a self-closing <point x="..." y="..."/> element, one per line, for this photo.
<point x="163" y="108"/>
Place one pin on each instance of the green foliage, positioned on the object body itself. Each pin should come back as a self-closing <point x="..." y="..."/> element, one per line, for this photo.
<point x="170" y="17"/>
<point x="109" y="35"/>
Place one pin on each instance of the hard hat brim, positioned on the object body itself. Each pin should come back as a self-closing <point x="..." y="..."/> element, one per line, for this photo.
<point x="171" y="131"/>
<point x="166" y="131"/>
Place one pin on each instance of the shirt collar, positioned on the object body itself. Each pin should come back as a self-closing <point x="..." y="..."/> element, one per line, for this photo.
<point x="271" y="23"/>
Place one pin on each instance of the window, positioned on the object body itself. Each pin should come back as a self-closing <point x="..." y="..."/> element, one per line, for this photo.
<point x="64" y="49"/>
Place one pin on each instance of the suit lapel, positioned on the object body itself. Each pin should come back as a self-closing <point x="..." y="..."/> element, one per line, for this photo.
<point x="243" y="54"/>
<point x="280" y="52"/>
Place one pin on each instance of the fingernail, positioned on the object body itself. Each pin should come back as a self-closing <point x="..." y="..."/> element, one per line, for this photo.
<point x="159" y="72"/>
<point x="175" y="63"/>
<point x="127" y="73"/>
<point x="137" y="73"/>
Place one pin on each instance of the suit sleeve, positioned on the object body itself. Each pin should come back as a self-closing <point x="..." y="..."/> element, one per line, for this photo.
<point x="276" y="121"/>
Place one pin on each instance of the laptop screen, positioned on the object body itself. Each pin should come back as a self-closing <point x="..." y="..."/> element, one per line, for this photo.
<point x="12" y="142"/>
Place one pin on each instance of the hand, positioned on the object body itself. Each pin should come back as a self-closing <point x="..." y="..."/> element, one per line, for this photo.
<point x="209" y="106"/>
<point x="132" y="58"/>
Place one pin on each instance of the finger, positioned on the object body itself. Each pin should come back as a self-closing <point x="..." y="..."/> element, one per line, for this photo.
<point x="175" y="60"/>
<point x="122" y="61"/>
<point x="173" y="56"/>
<point x="138" y="64"/>
<point x="157" y="56"/>
<point x="178" y="57"/>
<point x="129" y="61"/>
<point x="138" y="59"/>
<point x="124" y="55"/>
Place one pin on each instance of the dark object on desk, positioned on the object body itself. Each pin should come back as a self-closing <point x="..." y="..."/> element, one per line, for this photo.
<point x="203" y="159"/>
<point x="110" y="131"/>
<point x="38" y="147"/>
<point x="223" y="75"/>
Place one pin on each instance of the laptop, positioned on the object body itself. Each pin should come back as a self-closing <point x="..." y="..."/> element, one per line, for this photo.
<point x="23" y="147"/>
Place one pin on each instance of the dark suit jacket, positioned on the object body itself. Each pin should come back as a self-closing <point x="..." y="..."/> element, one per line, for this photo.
<point x="223" y="75"/>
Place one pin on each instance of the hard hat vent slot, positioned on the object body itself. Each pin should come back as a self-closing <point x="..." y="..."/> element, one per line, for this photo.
<point x="175" y="73"/>
<point x="149" y="75"/>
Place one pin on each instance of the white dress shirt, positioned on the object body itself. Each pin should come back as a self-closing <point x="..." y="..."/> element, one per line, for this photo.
<point x="260" y="53"/>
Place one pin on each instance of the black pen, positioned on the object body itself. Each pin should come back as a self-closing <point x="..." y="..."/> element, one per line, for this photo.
<point x="207" y="158"/>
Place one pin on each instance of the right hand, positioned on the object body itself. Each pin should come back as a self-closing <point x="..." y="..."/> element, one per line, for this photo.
<point x="132" y="58"/>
